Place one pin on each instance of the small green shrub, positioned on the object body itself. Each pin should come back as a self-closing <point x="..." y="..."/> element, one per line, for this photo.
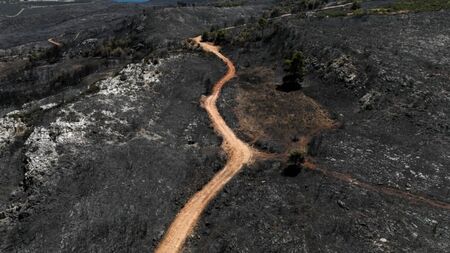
<point x="295" y="65"/>
<point x="359" y="12"/>
<point x="356" y="5"/>
<point x="217" y="36"/>
<point x="296" y="157"/>
<point x="311" y="4"/>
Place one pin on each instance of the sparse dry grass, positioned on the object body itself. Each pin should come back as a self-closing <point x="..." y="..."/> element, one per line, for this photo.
<point x="290" y="118"/>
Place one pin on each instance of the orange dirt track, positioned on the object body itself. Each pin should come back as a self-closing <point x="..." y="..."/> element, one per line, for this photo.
<point x="52" y="41"/>
<point x="239" y="154"/>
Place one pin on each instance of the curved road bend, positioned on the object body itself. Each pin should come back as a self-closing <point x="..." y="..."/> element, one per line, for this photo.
<point x="238" y="152"/>
<point x="18" y="13"/>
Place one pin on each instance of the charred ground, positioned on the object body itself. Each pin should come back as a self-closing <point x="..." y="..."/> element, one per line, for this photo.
<point x="107" y="122"/>
<point x="383" y="80"/>
<point x="103" y="140"/>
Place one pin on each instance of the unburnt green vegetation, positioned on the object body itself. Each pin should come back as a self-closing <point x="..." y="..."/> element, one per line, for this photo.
<point x="217" y="36"/>
<point x="295" y="65"/>
<point x="51" y="55"/>
<point x="296" y="157"/>
<point x="395" y="7"/>
<point x="118" y="47"/>
<point x="419" y="5"/>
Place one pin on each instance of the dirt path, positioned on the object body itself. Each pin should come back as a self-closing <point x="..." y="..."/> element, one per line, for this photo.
<point x="18" y="13"/>
<point x="52" y="41"/>
<point x="335" y="7"/>
<point x="239" y="154"/>
<point x="386" y="190"/>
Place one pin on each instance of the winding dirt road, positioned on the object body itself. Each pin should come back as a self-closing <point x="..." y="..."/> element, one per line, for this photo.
<point x="239" y="154"/>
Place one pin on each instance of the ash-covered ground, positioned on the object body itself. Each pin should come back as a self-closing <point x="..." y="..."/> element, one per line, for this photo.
<point x="100" y="150"/>
<point x="103" y="139"/>
<point x="111" y="159"/>
<point x="384" y="80"/>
